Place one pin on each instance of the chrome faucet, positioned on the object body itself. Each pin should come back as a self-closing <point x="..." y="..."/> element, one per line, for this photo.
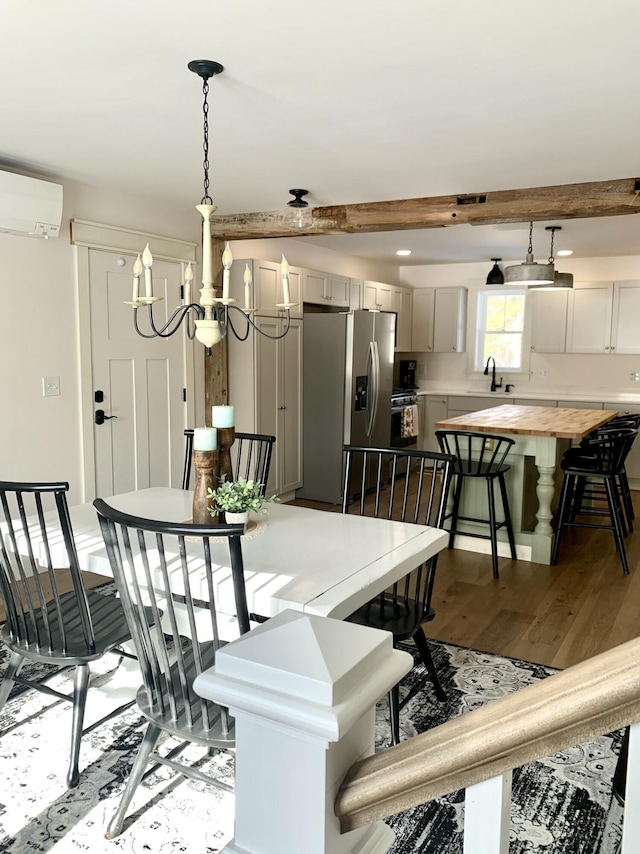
<point x="494" y="384"/>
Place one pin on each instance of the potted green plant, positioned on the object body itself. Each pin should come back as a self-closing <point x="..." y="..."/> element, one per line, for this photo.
<point x="237" y="498"/>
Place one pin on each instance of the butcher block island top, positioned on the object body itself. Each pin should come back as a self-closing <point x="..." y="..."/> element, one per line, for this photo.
<point x="531" y="421"/>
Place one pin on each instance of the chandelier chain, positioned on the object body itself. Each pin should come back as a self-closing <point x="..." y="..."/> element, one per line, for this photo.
<point x="206" y="199"/>
<point x="553" y="234"/>
<point x="530" y="250"/>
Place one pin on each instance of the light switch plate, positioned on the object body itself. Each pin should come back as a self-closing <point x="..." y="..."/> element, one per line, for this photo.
<point x="50" y="386"/>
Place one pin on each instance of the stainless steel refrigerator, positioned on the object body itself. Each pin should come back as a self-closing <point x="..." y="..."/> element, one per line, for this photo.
<point x="347" y="385"/>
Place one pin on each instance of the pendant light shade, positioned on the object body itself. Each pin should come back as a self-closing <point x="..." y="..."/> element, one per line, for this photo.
<point x="496" y="276"/>
<point x="530" y="272"/>
<point x="561" y="281"/>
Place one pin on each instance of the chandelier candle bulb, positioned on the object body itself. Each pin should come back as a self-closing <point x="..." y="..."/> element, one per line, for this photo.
<point x="147" y="260"/>
<point x="137" y="272"/>
<point x="206" y="211"/>
<point x="285" y="281"/>
<point x="227" y="260"/>
<point x="222" y="416"/>
<point x="205" y="439"/>
<point x="247" y="287"/>
<point x="188" y="282"/>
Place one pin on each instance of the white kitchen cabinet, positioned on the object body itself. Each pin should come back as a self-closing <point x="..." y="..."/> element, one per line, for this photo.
<point x="422" y="320"/>
<point x="402" y="305"/>
<point x="548" y="311"/>
<point x="267" y="286"/>
<point x="602" y="318"/>
<point x="355" y="294"/>
<point x="439" y="322"/>
<point x="376" y="295"/>
<point x="624" y="322"/>
<point x="325" y="288"/>
<point x="265" y="387"/>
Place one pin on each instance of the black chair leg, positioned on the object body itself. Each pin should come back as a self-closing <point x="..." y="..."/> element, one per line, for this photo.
<point x="456" y="508"/>
<point x="79" y="703"/>
<point x="627" y="503"/>
<point x="13" y="668"/>
<point x="422" y="646"/>
<point x="492" y="528"/>
<point x="145" y="750"/>
<point x="563" y="512"/>
<point x="507" y="515"/>
<point x="394" y="714"/>
<point x="615" y="511"/>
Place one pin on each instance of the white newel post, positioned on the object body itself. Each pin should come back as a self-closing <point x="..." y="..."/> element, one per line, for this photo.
<point x="303" y="691"/>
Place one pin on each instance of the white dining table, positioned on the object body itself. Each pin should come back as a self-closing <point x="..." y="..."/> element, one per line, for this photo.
<point x="295" y="558"/>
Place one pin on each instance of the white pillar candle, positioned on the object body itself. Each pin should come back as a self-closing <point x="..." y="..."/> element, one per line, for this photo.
<point x="147" y="260"/>
<point x="227" y="260"/>
<point x="222" y="416"/>
<point x="205" y="439"/>
<point x="188" y="281"/>
<point x="285" y="280"/>
<point x="247" y="287"/>
<point x="137" y="272"/>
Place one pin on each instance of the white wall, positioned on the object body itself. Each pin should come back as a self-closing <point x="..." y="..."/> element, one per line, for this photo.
<point x="566" y="372"/>
<point x="40" y="436"/>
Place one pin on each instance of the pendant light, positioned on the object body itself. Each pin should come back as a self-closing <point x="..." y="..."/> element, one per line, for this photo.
<point x="530" y="272"/>
<point x="496" y="276"/>
<point x="561" y="281"/>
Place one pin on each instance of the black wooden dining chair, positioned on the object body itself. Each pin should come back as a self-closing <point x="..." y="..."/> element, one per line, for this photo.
<point x="586" y="478"/>
<point x="250" y="457"/>
<point x="479" y="456"/>
<point x="177" y="570"/>
<point x="406" y="486"/>
<point x="42" y="623"/>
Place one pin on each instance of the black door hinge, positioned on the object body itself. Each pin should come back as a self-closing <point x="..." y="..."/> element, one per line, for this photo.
<point x="184" y="395"/>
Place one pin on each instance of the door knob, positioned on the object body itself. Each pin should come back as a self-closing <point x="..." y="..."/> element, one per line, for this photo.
<point x="100" y="417"/>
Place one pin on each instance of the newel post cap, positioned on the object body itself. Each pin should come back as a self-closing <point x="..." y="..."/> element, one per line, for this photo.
<point x="313" y="673"/>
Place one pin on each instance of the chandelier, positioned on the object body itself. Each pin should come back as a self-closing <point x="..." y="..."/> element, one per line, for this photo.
<point x="211" y="319"/>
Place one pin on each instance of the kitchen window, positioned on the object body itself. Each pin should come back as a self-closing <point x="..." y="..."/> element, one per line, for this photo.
<point x="500" y="329"/>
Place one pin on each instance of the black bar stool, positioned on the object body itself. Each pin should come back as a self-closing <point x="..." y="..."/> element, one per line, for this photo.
<point x="479" y="455"/>
<point x="591" y="478"/>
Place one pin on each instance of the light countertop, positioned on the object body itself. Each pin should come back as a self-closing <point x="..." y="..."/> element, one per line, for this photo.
<point x="550" y="394"/>
<point x="560" y="423"/>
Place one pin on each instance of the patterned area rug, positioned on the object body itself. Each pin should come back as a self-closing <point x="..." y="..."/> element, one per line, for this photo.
<point x="561" y="805"/>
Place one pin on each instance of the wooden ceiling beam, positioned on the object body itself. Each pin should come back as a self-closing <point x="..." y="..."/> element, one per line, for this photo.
<point x="565" y="201"/>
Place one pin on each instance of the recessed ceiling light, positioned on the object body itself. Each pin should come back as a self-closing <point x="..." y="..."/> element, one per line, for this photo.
<point x="563" y="253"/>
<point x="403" y="252"/>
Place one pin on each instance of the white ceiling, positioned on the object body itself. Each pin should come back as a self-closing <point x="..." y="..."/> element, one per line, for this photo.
<point x="356" y="101"/>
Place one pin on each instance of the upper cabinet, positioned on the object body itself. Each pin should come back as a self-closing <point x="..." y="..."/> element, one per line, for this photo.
<point x="376" y="295"/>
<point x="548" y="320"/>
<point x="267" y="286"/>
<point x="326" y="289"/>
<point x="602" y="318"/>
<point x="402" y="302"/>
<point x="439" y="320"/>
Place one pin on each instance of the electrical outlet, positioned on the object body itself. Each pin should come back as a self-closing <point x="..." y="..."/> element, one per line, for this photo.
<point x="544" y="373"/>
<point x="635" y="376"/>
<point x="50" y="386"/>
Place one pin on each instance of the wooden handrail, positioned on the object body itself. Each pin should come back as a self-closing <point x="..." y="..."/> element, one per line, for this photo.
<point x="591" y="698"/>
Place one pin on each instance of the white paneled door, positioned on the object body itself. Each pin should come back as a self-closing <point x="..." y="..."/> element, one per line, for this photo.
<point x="140" y="443"/>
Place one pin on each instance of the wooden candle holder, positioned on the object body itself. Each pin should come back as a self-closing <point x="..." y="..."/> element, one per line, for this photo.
<point x="206" y="466"/>
<point x="226" y="438"/>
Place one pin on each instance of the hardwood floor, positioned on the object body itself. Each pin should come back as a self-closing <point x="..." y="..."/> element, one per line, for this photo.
<point x="553" y="615"/>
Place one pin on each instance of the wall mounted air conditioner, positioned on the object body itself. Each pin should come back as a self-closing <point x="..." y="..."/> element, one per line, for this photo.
<point x="29" y="205"/>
